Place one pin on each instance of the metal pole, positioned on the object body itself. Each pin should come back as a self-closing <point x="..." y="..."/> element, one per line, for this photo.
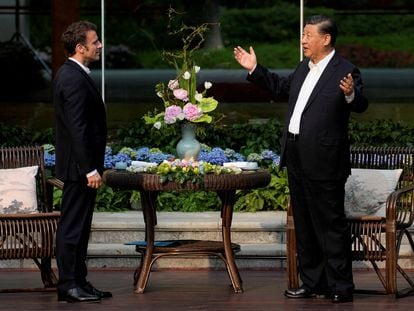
<point x="103" y="49"/>
<point x="17" y="18"/>
<point x="301" y="30"/>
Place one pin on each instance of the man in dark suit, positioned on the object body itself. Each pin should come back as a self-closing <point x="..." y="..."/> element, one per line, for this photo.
<point x="80" y="149"/>
<point x="323" y="90"/>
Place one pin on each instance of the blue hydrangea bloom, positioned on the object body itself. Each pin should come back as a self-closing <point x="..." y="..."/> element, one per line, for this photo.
<point x="215" y="156"/>
<point x="158" y="157"/>
<point x="49" y="159"/>
<point x="270" y="155"/>
<point x="143" y="154"/>
<point x="108" y="161"/>
<point x="121" y="157"/>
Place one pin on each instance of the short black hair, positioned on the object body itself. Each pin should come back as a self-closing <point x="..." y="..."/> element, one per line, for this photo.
<point x="76" y="34"/>
<point x="325" y="25"/>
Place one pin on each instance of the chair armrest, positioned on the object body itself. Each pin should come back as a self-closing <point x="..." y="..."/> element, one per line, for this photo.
<point x="21" y="217"/>
<point x="55" y="182"/>
<point x="50" y="184"/>
<point x="400" y="206"/>
<point x="365" y="218"/>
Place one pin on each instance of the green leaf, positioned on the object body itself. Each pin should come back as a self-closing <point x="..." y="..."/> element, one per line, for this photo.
<point x="208" y="104"/>
<point x="204" y="118"/>
<point x="152" y="120"/>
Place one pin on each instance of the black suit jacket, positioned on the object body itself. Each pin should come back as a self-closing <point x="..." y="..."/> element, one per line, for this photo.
<point x="323" y="142"/>
<point x="80" y="123"/>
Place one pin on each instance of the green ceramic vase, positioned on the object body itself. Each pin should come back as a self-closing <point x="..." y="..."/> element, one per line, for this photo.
<point x="188" y="148"/>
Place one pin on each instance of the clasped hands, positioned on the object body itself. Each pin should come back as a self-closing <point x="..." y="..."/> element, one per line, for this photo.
<point x="248" y="60"/>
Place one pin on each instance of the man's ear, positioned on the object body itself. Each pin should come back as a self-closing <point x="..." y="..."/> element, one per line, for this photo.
<point x="79" y="48"/>
<point x="328" y="39"/>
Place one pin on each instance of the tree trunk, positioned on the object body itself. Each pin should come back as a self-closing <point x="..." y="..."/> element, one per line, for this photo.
<point x="63" y="14"/>
<point x="213" y="38"/>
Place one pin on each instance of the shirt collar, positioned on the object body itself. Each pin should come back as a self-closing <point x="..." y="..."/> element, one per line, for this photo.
<point x="87" y="70"/>
<point x="321" y="65"/>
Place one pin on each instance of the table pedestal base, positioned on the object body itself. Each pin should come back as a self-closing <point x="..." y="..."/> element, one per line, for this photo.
<point x="188" y="248"/>
<point x="149" y="186"/>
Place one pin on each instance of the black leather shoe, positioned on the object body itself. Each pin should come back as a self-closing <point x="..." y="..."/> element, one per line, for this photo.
<point x="88" y="287"/>
<point x="299" y="293"/>
<point x="77" y="294"/>
<point x="339" y="298"/>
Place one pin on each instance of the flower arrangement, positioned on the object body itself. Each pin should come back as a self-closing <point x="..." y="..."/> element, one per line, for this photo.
<point x="182" y="171"/>
<point x="182" y="100"/>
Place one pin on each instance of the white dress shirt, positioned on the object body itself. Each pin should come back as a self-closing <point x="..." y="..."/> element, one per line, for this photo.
<point x="87" y="70"/>
<point x="308" y="85"/>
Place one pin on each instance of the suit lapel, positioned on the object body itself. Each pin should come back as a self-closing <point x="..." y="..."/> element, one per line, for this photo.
<point x="324" y="79"/>
<point x="87" y="77"/>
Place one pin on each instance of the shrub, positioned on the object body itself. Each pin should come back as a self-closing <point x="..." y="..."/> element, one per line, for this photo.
<point x="372" y="57"/>
<point x="121" y="56"/>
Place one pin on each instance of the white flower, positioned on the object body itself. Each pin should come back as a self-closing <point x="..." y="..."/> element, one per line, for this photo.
<point x="198" y="96"/>
<point x="196" y="69"/>
<point x="159" y="94"/>
<point x="207" y="85"/>
<point x="186" y="75"/>
<point x="173" y="84"/>
<point x="157" y="125"/>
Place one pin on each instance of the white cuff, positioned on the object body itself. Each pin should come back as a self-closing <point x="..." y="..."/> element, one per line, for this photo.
<point x="350" y="98"/>
<point x="251" y="71"/>
<point x="91" y="173"/>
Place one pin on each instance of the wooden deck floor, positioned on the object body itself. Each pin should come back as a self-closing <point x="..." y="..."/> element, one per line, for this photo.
<point x="191" y="290"/>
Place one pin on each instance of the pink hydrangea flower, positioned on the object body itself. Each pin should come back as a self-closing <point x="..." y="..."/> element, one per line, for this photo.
<point x="181" y="94"/>
<point x="172" y="113"/>
<point x="192" y="112"/>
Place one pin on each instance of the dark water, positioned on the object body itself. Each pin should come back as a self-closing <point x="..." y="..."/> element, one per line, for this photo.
<point x="130" y="95"/>
<point x="38" y="116"/>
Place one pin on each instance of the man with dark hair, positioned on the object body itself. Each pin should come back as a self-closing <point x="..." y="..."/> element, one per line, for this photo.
<point x="323" y="90"/>
<point x="80" y="149"/>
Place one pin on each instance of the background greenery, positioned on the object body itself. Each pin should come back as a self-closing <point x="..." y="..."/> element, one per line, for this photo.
<point x="244" y="138"/>
<point x="371" y="34"/>
<point x="136" y="31"/>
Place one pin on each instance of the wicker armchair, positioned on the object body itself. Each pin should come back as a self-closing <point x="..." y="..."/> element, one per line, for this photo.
<point x="376" y="239"/>
<point x="30" y="236"/>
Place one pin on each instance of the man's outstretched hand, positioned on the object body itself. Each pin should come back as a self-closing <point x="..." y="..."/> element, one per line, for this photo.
<point x="245" y="59"/>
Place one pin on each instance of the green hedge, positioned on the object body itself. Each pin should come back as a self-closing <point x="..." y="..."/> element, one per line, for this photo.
<point x="242" y="137"/>
<point x="245" y="138"/>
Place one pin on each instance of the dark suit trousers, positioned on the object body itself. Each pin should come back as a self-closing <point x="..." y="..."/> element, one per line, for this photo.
<point x="73" y="231"/>
<point x="322" y="233"/>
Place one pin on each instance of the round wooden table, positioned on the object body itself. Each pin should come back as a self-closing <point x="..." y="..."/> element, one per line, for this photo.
<point x="149" y="186"/>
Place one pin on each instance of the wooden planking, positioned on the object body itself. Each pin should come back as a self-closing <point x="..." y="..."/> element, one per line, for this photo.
<point x="192" y="290"/>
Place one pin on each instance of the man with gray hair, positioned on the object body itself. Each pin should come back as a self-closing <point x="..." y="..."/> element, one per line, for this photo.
<point x="322" y="91"/>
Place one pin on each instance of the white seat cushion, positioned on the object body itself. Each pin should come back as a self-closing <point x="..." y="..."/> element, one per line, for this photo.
<point x="366" y="191"/>
<point x="18" y="190"/>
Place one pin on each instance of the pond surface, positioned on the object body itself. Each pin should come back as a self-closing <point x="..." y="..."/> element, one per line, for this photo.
<point x="130" y="95"/>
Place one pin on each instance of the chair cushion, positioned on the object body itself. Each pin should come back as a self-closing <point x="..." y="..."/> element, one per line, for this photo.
<point x="366" y="191"/>
<point x="18" y="190"/>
